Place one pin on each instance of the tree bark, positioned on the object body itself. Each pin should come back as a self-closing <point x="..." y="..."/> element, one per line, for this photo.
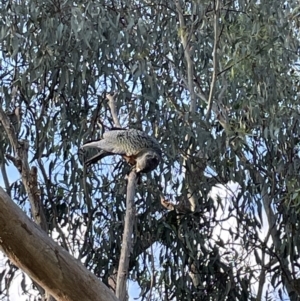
<point x="52" y="267"/>
<point x="123" y="269"/>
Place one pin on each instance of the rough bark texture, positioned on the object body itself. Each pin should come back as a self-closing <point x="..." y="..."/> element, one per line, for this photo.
<point x="52" y="267"/>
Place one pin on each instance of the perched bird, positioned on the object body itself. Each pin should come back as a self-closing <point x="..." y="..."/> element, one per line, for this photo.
<point x="136" y="147"/>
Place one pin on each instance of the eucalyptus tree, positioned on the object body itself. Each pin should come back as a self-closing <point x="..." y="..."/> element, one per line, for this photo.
<point x="216" y="83"/>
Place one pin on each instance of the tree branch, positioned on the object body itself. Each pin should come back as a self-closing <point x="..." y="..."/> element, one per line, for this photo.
<point x="5" y="178"/>
<point x="113" y="108"/>
<point x="126" y="250"/>
<point x="9" y="130"/>
<point x="52" y="267"/>
<point x="186" y="48"/>
<point x="262" y="275"/>
<point x="284" y="263"/>
<point x="215" y="59"/>
<point x="190" y="76"/>
<point x="29" y="176"/>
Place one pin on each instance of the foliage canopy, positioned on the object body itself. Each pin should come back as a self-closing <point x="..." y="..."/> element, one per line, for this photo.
<point x="217" y="83"/>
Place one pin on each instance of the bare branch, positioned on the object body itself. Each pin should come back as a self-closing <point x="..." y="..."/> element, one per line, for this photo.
<point x="262" y="275"/>
<point x="152" y="272"/>
<point x="5" y="178"/>
<point x="224" y="88"/>
<point x="29" y="176"/>
<point x="215" y="59"/>
<point x="52" y="267"/>
<point x="284" y="263"/>
<point x="190" y="76"/>
<point x="187" y="55"/>
<point x="9" y="130"/>
<point x="113" y="108"/>
<point x="123" y="268"/>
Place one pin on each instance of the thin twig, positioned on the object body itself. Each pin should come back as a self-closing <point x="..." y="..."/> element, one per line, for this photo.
<point x="215" y="59"/>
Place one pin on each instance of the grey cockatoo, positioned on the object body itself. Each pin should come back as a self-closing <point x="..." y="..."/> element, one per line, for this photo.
<point x="136" y="147"/>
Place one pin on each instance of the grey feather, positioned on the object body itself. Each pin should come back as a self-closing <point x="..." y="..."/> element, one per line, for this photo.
<point x="130" y="143"/>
